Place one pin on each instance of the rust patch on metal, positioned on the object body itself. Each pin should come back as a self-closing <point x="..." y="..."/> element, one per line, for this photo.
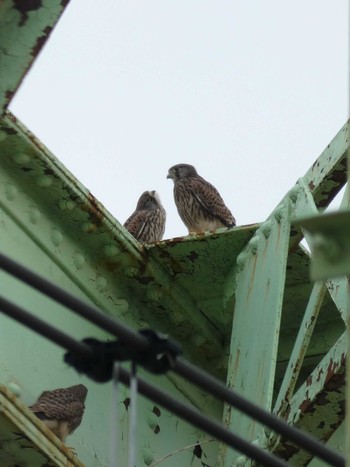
<point x="289" y="450"/>
<point x="235" y="365"/>
<point x="24" y="7"/>
<point x="193" y="256"/>
<point x="92" y="207"/>
<point x="156" y="430"/>
<point x="41" y="41"/>
<point x="304" y="405"/>
<point x="126" y="403"/>
<point x="312" y="186"/>
<point x="332" y="398"/>
<point x="198" y="451"/>
<point x="320" y="373"/>
<point x="9" y="131"/>
<point x="144" y="280"/>
<point x="9" y="95"/>
<point x="112" y="266"/>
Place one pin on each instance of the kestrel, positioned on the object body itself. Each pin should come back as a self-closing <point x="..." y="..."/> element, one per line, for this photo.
<point x="147" y="222"/>
<point x="199" y="204"/>
<point x="61" y="410"/>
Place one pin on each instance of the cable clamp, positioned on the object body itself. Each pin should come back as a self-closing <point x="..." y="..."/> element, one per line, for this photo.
<point x="158" y="358"/>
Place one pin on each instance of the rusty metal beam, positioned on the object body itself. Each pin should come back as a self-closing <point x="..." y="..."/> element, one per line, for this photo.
<point x="323" y="180"/>
<point x="25" y="25"/>
<point x="318" y="406"/>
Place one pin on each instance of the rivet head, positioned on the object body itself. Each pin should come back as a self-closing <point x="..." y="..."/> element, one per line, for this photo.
<point x="131" y="271"/>
<point x="34" y="215"/>
<point x="44" y="181"/>
<point x="154" y="293"/>
<point x="198" y="340"/>
<point x="15" y="388"/>
<point x="101" y="283"/>
<point x="56" y="237"/>
<point x="66" y="205"/>
<point x="88" y="227"/>
<point x="147" y="456"/>
<point x="111" y="250"/>
<point x="266" y="229"/>
<point x="177" y="317"/>
<point x="11" y="192"/>
<point x="241" y="259"/>
<point x="278" y="213"/>
<point x="123" y="307"/>
<point x="21" y="158"/>
<point x="78" y="260"/>
<point x="293" y="194"/>
<point x="253" y="244"/>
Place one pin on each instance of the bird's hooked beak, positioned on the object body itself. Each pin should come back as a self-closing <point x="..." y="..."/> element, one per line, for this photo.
<point x="170" y="175"/>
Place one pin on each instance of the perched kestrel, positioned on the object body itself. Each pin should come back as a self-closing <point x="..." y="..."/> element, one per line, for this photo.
<point x="62" y="409"/>
<point x="199" y="204"/>
<point x="147" y="222"/>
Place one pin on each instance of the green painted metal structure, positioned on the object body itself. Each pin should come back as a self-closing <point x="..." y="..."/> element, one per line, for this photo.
<point x="241" y="302"/>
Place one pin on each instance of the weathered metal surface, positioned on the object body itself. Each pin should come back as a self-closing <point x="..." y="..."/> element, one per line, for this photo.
<point x="324" y="179"/>
<point x="25" y="440"/>
<point x="336" y="442"/>
<point x="304" y="340"/>
<point x="256" y="321"/>
<point x="301" y="345"/>
<point x="319" y="405"/>
<point x="25" y="25"/>
<point x="328" y="174"/>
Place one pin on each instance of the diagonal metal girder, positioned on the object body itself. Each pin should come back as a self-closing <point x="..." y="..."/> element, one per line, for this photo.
<point x="25" y="25"/>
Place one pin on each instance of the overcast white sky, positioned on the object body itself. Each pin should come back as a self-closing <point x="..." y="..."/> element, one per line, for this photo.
<point x="248" y="91"/>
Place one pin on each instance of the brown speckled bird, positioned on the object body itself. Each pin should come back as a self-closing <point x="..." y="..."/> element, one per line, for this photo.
<point x="61" y="409"/>
<point x="147" y="222"/>
<point x="199" y="204"/>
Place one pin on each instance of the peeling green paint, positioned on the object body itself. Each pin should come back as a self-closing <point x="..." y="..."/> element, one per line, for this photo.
<point x="24" y="28"/>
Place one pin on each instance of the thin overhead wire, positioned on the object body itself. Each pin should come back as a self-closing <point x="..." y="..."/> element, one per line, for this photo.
<point x="181" y="367"/>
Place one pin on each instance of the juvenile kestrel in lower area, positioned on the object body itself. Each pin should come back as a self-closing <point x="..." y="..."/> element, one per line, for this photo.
<point x="147" y="222"/>
<point x="199" y="204"/>
<point x="61" y="410"/>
